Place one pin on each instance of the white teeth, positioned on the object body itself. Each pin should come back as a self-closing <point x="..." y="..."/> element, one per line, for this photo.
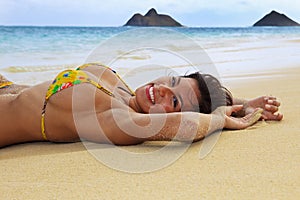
<point x="151" y="94"/>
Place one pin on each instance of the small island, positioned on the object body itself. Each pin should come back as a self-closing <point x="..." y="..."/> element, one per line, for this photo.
<point x="276" y="19"/>
<point x="152" y="18"/>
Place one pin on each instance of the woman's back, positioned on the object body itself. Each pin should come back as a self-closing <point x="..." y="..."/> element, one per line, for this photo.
<point x="20" y="113"/>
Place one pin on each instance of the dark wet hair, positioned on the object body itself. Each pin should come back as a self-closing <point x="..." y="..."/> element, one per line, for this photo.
<point x="212" y="93"/>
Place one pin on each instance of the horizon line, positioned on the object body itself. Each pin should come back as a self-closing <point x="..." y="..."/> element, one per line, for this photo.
<point x="99" y="26"/>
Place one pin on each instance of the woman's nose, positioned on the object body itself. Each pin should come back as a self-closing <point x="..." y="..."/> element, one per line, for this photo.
<point x="164" y="90"/>
<point x="165" y="94"/>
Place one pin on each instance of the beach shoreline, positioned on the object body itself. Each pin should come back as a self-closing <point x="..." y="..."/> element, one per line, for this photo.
<point x="230" y="51"/>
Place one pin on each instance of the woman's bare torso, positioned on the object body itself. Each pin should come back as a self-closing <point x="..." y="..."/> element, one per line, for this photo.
<point x="66" y="109"/>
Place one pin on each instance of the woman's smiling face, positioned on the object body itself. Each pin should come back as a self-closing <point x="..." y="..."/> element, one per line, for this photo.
<point x="168" y="94"/>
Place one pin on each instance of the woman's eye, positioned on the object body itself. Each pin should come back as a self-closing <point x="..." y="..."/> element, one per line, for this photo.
<point x="175" y="101"/>
<point x="173" y="81"/>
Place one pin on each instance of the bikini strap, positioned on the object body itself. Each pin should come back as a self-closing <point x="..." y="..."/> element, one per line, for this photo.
<point x="43" y="121"/>
<point x="104" y="66"/>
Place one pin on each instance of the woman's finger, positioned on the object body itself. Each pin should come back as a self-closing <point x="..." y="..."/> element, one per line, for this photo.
<point x="241" y="123"/>
<point x="233" y="109"/>
<point x="272" y="116"/>
<point x="271" y="108"/>
<point x="254" y="116"/>
<point x="274" y="102"/>
<point x="266" y="98"/>
<point x="279" y="117"/>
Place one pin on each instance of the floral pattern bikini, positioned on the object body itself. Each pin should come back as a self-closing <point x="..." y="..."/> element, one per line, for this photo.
<point x="70" y="78"/>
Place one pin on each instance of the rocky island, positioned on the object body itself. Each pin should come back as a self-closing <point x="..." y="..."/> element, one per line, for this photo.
<point x="152" y="18"/>
<point x="276" y="19"/>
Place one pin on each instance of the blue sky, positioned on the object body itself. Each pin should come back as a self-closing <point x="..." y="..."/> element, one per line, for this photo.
<point x="195" y="13"/>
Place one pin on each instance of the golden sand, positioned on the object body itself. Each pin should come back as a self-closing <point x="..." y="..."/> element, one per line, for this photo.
<point x="261" y="162"/>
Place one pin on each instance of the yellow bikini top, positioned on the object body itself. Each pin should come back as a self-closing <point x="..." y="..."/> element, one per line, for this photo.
<point x="69" y="78"/>
<point x="5" y="84"/>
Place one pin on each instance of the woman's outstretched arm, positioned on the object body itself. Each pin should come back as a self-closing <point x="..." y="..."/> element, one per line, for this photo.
<point x="125" y="128"/>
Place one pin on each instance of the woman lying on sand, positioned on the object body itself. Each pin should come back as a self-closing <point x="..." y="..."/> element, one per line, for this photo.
<point x="187" y="107"/>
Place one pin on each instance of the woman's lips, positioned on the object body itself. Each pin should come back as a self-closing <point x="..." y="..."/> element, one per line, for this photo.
<point x="150" y="93"/>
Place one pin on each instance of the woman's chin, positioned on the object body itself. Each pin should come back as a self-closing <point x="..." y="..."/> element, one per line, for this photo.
<point x="157" y="109"/>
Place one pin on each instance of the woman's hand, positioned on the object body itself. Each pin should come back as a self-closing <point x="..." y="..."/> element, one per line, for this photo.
<point x="231" y="122"/>
<point x="269" y="104"/>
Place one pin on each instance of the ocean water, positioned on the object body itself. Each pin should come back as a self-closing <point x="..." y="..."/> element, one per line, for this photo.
<point x="31" y="54"/>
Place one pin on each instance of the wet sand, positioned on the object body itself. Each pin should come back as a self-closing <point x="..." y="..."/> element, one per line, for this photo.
<point x="261" y="162"/>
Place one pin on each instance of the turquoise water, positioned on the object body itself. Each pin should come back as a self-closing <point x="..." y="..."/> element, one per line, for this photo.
<point x="30" y="54"/>
<point x="34" y="46"/>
